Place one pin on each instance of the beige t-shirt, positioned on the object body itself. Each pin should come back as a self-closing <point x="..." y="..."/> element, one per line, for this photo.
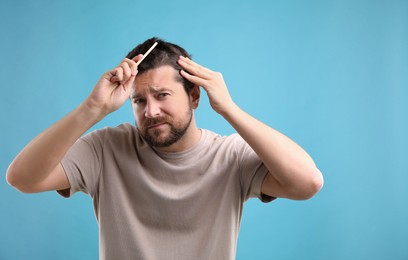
<point x="155" y="205"/>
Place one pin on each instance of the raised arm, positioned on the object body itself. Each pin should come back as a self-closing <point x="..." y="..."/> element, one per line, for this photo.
<point x="292" y="172"/>
<point x="37" y="167"/>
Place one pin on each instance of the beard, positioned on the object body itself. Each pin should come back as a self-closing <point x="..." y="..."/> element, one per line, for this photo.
<point x="159" y="137"/>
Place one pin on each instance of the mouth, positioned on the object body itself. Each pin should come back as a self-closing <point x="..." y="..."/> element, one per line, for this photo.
<point x="155" y="126"/>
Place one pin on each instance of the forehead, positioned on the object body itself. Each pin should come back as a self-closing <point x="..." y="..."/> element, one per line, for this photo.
<point x="158" y="78"/>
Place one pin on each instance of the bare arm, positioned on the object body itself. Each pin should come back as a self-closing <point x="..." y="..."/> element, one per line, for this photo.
<point x="292" y="172"/>
<point x="37" y="167"/>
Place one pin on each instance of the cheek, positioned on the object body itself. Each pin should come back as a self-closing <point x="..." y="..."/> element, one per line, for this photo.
<point x="169" y="107"/>
<point x="179" y="105"/>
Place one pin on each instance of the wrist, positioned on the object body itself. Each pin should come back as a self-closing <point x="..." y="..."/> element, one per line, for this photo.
<point x="230" y="111"/>
<point x="90" y="114"/>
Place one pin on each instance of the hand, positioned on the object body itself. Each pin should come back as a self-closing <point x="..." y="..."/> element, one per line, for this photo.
<point x="212" y="82"/>
<point x="113" y="88"/>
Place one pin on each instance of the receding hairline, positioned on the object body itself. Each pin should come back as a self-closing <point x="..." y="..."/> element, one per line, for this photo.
<point x="177" y="75"/>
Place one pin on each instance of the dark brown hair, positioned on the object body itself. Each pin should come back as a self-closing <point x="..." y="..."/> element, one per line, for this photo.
<point x="165" y="53"/>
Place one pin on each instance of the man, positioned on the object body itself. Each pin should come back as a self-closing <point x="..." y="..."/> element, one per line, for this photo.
<point x="164" y="189"/>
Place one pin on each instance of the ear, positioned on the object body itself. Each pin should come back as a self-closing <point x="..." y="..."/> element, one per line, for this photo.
<point x="195" y="96"/>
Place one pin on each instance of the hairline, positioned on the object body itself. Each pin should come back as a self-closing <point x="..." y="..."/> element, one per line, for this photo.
<point x="177" y="77"/>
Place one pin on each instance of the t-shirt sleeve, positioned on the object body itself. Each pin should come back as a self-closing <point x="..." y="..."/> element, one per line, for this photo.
<point x="252" y="172"/>
<point x="82" y="166"/>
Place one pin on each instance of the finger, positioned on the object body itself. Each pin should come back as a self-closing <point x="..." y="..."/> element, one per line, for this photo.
<point x="195" y="69"/>
<point x="117" y="75"/>
<point x="133" y="67"/>
<point x="128" y="85"/>
<point x="127" y="72"/>
<point x="193" y="79"/>
<point x="132" y="64"/>
<point x="137" y="58"/>
<point x="191" y="62"/>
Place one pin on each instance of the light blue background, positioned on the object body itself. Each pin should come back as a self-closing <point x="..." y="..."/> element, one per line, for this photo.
<point x="332" y="75"/>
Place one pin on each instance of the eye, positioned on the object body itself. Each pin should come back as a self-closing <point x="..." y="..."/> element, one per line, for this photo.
<point x="138" y="100"/>
<point x="163" y="95"/>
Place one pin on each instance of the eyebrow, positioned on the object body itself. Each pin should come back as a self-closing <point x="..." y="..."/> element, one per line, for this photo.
<point x="153" y="90"/>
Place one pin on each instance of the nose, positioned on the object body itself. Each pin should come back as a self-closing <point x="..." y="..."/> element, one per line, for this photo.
<point x="152" y="109"/>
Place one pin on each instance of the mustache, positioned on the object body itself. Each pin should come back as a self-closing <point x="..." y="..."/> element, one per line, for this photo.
<point x="154" y="121"/>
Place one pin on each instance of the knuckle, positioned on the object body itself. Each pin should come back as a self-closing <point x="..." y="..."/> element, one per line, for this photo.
<point x="216" y="74"/>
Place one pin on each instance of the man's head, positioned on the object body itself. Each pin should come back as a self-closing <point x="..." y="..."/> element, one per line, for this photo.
<point x="162" y="100"/>
<point x="165" y="53"/>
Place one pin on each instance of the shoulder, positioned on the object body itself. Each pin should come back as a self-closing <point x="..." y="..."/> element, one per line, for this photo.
<point x="122" y="129"/>
<point x="117" y="134"/>
<point x="230" y="142"/>
<point x="125" y="129"/>
<point x="212" y="136"/>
